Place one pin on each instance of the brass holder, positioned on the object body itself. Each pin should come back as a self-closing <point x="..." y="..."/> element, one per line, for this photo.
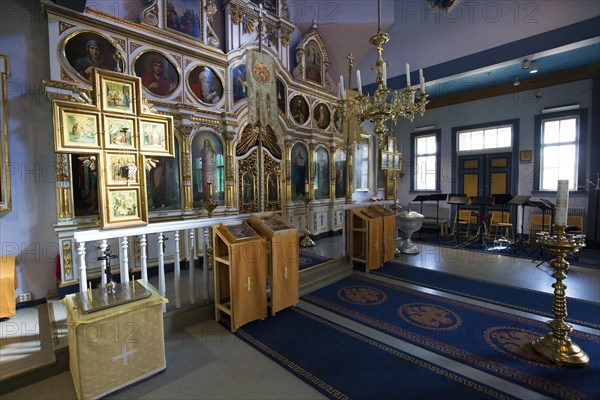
<point x="306" y="240"/>
<point x="395" y="207"/>
<point x="209" y="205"/>
<point x="556" y="346"/>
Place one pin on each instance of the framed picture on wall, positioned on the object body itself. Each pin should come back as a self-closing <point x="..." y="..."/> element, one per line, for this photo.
<point x="525" y="156"/>
<point x="79" y="128"/>
<point x="117" y="96"/>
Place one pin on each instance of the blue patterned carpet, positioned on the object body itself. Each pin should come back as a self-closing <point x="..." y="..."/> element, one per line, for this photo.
<point x="493" y="341"/>
<point x="344" y="364"/>
<point x="309" y="260"/>
<point x="586" y="313"/>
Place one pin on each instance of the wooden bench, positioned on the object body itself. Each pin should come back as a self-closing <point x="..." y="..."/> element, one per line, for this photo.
<point x="442" y="224"/>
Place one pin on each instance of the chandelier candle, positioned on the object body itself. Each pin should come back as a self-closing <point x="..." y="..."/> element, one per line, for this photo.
<point x="562" y="203"/>
<point x="359" y="82"/>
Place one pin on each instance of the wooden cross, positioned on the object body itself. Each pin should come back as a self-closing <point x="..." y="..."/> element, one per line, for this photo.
<point x="115" y="131"/>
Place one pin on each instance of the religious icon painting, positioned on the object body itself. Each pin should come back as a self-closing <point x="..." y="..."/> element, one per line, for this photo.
<point x="240" y="231"/>
<point x="184" y="16"/>
<point x="337" y="121"/>
<point x="124" y="207"/>
<point x="79" y="129"/>
<point x="155" y="138"/>
<point x="121" y="168"/>
<point x="248" y="188"/>
<point x="205" y="85"/>
<point x="159" y="75"/>
<point x="207" y="167"/>
<point x="299" y="109"/>
<point x="119" y="132"/>
<point x="86" y="50"/>
<point x="339" y="164"/>
<point x="299" y="165"/>
<point x="117" y="97"/>
<point x="272" y="188"/>
<point x="281" y="95"/>
<point x="313" y="65"/>
<point x="322" y="116"/>
<point x="240" y="82"/>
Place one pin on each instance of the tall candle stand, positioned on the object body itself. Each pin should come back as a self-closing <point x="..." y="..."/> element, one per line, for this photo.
<point x="306" y="240"/>
<point x="395" y="208"/>
<point x="556" y="346"/>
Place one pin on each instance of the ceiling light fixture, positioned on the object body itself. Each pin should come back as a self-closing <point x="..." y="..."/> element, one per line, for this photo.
<point x="377" y="108"/>
<point x="533" y="67"/>
<point x="516" y="82"/>
<point x="526" y="64"/>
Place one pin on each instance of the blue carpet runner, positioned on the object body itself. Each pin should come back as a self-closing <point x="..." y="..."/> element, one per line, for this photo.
<point x="493" y="341"/>
<point x="308" y="260"/>
<point x="344" y="364"/>
<point x="582" y="312"/>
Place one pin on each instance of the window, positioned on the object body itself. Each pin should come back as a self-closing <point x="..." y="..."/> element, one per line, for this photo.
<point x="362" y="165"/>
<point x="558" y="139"/>
<point x="497" y="137"/>
<point x="426" y="157"/>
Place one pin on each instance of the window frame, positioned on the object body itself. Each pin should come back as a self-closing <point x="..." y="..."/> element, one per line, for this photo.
<point x="438" y="156"/>
<point x="580" y="142"/>
<point x="366" y="140"/>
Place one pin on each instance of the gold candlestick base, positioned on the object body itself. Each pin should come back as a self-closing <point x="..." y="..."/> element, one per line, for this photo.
<point x="209" y="205"/>
<point x="306" y="240"/>
<point x="556" y="346"/>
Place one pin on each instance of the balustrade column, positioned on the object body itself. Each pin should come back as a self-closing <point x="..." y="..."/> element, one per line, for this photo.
<point x="161" y="269"/>
<point x="192" y="272"/>
<point x="124" y="260"/>
<point x="82" y="267"/>
<point x="103" y="246"/>
<point x="207" y="256"/>
<point x="177" y="272"/>
<point x="143" y="258"/>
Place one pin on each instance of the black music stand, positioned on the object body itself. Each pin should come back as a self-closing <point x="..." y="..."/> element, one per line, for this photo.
<point x="482" y="202"/>
<point x="541" y="256"/>
<point x="522" y="201"/>
<point x="422" y="198"/>
<point x="502" y="200"/>
<point x="437" y="198"/>
<point x="457" y="200"/>
<point x="552" y="209"/>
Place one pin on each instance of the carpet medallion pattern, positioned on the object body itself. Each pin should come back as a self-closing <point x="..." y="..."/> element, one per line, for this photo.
<point x="344" y="364"/>
<point x="493" y="341"/>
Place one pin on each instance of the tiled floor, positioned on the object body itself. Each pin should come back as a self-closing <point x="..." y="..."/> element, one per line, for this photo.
<point x="227" y="368"/>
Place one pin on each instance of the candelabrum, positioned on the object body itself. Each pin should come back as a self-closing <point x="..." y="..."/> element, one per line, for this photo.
<point x="209" y="205"/>
<point x="556" y="346"/>
<point x="306" y="240"/>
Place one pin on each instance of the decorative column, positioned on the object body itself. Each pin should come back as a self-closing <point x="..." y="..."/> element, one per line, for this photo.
<point x="288" y="143"/>
<point x="186" y="164"/>
<point x="229" y="169"/>
<point x="63" y="188"/>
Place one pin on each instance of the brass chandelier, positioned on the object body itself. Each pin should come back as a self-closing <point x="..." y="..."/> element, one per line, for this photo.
<point x="384" y="105"/>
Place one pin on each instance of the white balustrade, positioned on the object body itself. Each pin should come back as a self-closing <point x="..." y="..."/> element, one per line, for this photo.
<point x="121" y="235"/>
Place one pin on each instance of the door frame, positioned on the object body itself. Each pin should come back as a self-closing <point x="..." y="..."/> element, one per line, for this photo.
<point x="515" y="173"/>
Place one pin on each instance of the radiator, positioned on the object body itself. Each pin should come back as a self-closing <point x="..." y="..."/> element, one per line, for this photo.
<point x="574" y="212"/>
<point x="430" y="209"/>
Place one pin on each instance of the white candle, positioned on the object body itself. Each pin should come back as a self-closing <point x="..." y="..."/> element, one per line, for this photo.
<point x="422" y="80"/>
<point x="407" y="75"/>
<point x="260" y="10"/>
<point x="359" y="82"/>
<point x="385" y="74"/>
<point x="562" y="203"/>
